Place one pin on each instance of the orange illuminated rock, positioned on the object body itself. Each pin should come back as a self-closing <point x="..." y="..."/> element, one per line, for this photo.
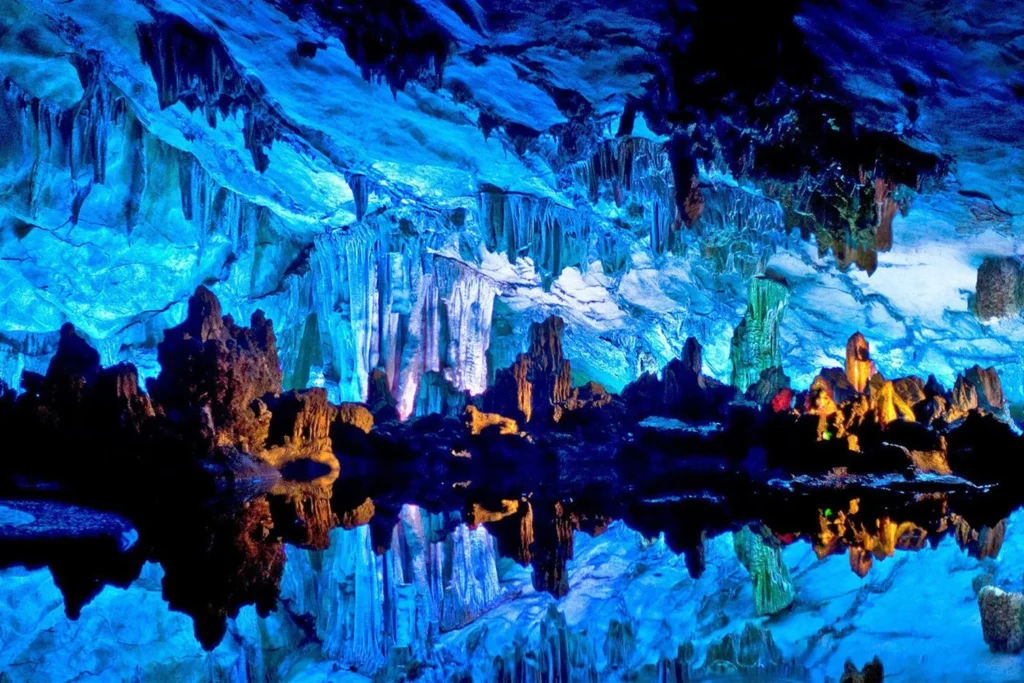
<point x="988" y="387"/>
<point x="303" y="515"/>
<point x="859" y="366"/>
<point x="478" y="514"/>
<point x="819" y="398"/>
<point x="358" y="515"/>
<point x="888" y="406"/>
<point x="910" y="389"/>
<point x="356" y="415"/>
<point x="538" y="381"/>
<point x="299" y="428"/>
<point x="479" y="421"/>
<point x="860" y="561"/>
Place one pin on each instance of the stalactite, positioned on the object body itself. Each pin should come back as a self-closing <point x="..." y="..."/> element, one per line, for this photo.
<point x="468" y="308"/>
<point x="43" y="140"/>
<point x="383" y="300"/>
<point x="344" y="266"/>
<point x="196" y="70"/>
<point x="614" y="254"/>
<point x="636" y="174"/>
<point x="360" y="193"/>
<point x="772" y="585"/>
<point x="552" y="236"/>
<point x="738" y="230"/>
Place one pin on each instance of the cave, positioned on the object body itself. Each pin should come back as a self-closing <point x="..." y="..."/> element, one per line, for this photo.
<point x="519" y="341"/>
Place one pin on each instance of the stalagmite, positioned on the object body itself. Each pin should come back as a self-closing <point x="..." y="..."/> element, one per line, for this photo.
<point x="859" y="366"/>
<point x="755" y="343"/>
<point x="1002" y="619"/>
<point x="1000" y="288"/>
<point x="538" y="380"/>
<point x="887" y="404"/>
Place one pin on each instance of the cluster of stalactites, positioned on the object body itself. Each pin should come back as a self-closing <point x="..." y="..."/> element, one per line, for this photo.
<point x="387" y="303"/>
<point x="851" y="217"/>
<point x="554" y="237"/>
<point x="41" y="136"/>
<point x="195" y="69"/>
<point x="634" y="174"/>
<point x="367" y="595"/>
<point x="738" y="230"/>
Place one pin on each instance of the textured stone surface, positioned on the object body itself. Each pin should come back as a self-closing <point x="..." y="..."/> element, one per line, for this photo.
<point x="755" y="343"/>
<point x="1000" y="288"/>
<point x="773" y="587"/>
<point x="1002" y="619"/>
<point x="539" y="380"/>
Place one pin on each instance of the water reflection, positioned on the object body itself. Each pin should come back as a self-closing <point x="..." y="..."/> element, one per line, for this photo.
<point x="382" y="574"/>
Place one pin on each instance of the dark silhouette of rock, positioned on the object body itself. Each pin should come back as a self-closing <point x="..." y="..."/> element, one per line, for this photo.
<point x="872" y="672"/>
<point x="212" y="371"/>
<point x="379" y="398"/>
<point x="770" y="383"/>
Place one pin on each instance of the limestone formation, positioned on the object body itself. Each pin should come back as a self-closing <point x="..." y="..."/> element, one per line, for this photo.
<point x="380" y="399"/>
<point x="753" y="650"/>
<point x="755" y="342"/>
<point x="887" y="404"/>
<point x="988" y="387"/>
<point x="356" y="415"/>
<point x="769" y="384"/>
<point x="478" y="421"/>
<point x="1000" y="289"/>
<point x="539" y="380"/>
<point x="872" y="672"/>
<point x="437" y="396"/>
<point x="1002" y="619"/>
<point x="212" y="370"/>
<point x="773" y="587"/>
<point x="859" y="366"/>
<point x="911" y="390"/>
<point x="299" y="428"/>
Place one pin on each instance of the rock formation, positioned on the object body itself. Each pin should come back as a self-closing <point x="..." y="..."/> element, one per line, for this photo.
<point x="539" y="380"/>
<point x="1002" y="619"/>
<point x="859" y="366"/>
<point x="773" y="588"/>
<point x="1000" y="289"/>
<point x="755" y="342"/>
<point x="872" y="672"/>
<point x="212" y="371"/>
<point x="753" y="650"/>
